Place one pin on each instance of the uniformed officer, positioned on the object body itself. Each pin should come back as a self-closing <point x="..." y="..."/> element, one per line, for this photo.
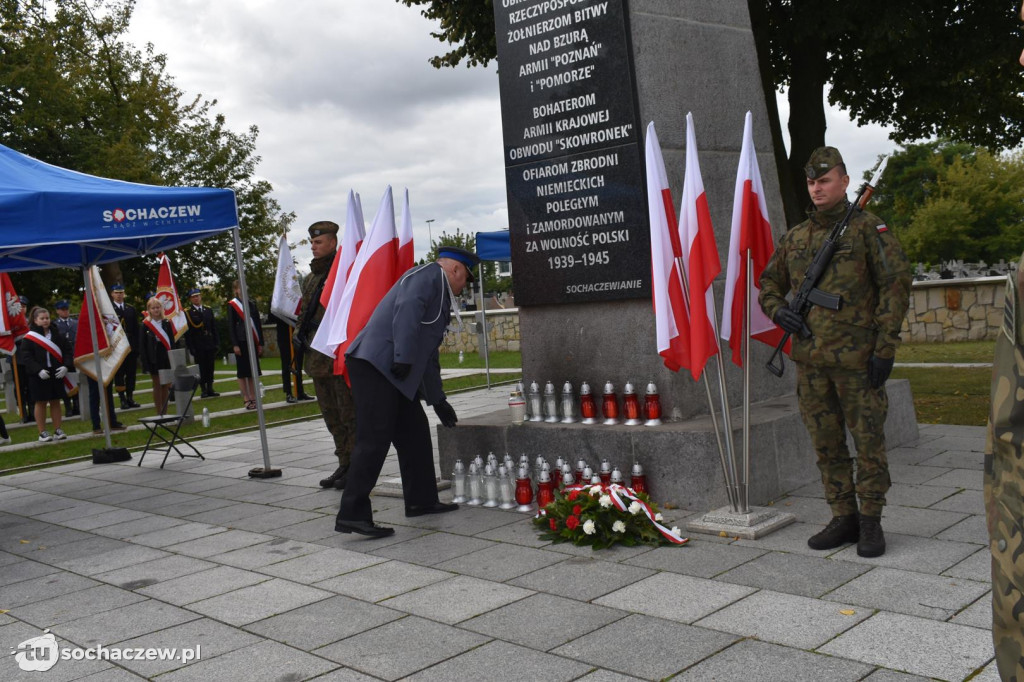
<point x="393" y="363"/>
<point x="202" y="340"/>
<point x="332" y="393"/>
<point x="68" y="326"/>
<point x="125" y="377"/>
<point x="842" y="367"/>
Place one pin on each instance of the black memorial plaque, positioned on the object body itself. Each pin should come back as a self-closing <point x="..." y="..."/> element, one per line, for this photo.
<point x="573" y="163"/>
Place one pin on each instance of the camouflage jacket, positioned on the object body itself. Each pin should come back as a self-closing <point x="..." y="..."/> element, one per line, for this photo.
<point x="869" y="270"/>
<point x="316" y="364"/>
<point x="1004" y="483"/>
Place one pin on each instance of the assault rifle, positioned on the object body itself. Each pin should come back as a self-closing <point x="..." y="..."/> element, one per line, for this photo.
<point x="808" y="294"/>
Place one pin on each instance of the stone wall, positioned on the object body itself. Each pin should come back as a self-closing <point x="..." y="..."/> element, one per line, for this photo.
<point x="968" y="309"/>
<point x="502" y="327"/>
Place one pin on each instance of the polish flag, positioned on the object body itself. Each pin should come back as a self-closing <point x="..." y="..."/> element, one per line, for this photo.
<point x="13" y="324"/>
<point x="372" y="275"/>
<point x="405" y="244"/>
<point x="671" y="321"/>
<point x="167" y="293"/>
<point x="348" y="247"/>
<point x="751" y="232"/>
<point x="700" y="258"/>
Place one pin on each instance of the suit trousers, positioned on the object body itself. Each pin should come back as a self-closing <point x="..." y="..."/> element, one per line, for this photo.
<point x="206" y="358"/>
<point x="385" y="416"/>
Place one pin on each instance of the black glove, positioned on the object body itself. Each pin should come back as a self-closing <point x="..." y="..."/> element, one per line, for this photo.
<point x="879" y="370"/>
<point x="400" y="369"/>
<point x="786" y="318"/>
<point x="298" y="343"/>
<point x="446" y="413"/>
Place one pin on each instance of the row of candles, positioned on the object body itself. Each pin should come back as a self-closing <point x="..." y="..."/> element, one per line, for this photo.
<point x="547" y="407"/>
<point x="491" y="484"/>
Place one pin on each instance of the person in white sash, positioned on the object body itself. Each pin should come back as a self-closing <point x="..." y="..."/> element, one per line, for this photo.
<point x="156" y="339"/>
<point x="47" y="355"/>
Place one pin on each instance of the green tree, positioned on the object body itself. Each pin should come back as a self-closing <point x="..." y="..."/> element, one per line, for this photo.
<point x="75" y="93"/>
<point x="913" y="65"/>
<point x="972" y="211"/>
<point x="492" y="283"/>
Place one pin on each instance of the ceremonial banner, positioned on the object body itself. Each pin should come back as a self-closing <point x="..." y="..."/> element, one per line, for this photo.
<point x="348" y="247"/>
<point x="13" y="325"/>
<point x="286" y="300"/>
<point x="167" y="293"/>
<point x="751" y="232"/>
<point x="112" y="343"/>
<point x="700" y="258"/>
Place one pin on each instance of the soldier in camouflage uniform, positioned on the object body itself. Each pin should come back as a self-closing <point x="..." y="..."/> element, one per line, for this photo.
<point x="332" y="393"/>
<point x="843" y="365"/>
<point x="1004" y="483"/>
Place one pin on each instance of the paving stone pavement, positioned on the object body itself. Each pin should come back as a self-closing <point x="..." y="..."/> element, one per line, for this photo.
<point x="252" y="573"/>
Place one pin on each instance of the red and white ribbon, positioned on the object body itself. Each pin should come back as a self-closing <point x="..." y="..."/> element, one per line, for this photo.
<point x="237" y="305"/>
<point x="618" y="493"/>
<point x="158" y="332"/>
<point x="48" y="345"/>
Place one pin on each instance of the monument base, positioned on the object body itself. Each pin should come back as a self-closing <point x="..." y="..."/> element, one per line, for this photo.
<point x="680" y="458"/>
<point x="754" y="524"/>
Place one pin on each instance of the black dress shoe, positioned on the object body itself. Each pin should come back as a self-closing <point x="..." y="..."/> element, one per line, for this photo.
<point x="363" y="528"/>
<point x="213" y="394"/>
<point x="303" y="396"/>
<point x="423" y="509"/>
<point x="340" y="474"/>
<point x="291" y="399"/>
<point x="132" y="403"/>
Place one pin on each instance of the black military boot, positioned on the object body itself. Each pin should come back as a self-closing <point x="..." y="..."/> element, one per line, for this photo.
<point x="336" y="480"/>
<point x="872" y="540"/>
<point x="840" y="530"/>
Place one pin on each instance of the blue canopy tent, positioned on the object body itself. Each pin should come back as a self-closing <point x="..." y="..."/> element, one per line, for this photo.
<point x="494" y="246"/>
<point x="52" y="217"/>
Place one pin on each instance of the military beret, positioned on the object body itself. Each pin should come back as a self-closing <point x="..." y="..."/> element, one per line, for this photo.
<point x="823" y="159"/>
<point x="62" y="303"/>
<point x="467" y="258"/>
<point x="117" y="287"/>
<point x="323" y="227"/>
<point x="193" y="291"/>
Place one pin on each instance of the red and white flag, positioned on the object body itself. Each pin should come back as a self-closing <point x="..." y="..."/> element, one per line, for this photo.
<point x="751" y="232"/>
<point x="112" y="342"/>
<point x="700" y="258"/>
<point x="348" y="247"/>
<point x="405" y="243"/>
<point x="372" y="275"/>
<point x="671" y="321"/>
<point x="13" y="324"/>
<point x="286" y="300"/>
<point x="167" y="294"/>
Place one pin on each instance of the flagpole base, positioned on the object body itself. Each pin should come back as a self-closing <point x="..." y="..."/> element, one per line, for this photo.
<point x="260" y="472"/>
<point x="754" y="524"/>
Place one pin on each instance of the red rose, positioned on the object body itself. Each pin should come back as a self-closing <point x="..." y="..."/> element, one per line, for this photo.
<point x="554" y="524"/>
<point x="577" y="509"/>
<point x="572" y="522"/>
<point x="573" y="495"/>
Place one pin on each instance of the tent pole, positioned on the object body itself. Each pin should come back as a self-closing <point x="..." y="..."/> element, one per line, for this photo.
<point x="253" y="363"/>
<point x="483" y="319"/>
<point x="90" y="301"/>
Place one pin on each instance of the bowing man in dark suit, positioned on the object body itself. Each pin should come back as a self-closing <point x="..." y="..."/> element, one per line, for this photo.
<point x="392" y="364"/>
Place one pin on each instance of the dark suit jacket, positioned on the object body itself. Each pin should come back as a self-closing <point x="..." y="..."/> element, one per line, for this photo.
<point x="236" y="326"/>
<point x="202" y="330"/>
<point x="408" y="326"/>
<point x="152" y="352"/>
<point x="130" y="320"/>
<point x="34" y="357"/>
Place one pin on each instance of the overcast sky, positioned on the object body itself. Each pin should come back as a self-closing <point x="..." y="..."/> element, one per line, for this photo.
<point x="344" y="98"/>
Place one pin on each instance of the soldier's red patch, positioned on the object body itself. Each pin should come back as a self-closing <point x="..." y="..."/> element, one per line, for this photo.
<point x="882" y="228"/>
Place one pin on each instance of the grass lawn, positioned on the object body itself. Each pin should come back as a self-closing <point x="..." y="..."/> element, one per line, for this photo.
<point x="948" y="395"/>
<point x="963" y="351"/>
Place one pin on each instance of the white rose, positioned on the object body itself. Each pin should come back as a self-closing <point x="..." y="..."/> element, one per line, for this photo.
<point x="619" y="527"/>
<point x="659" y="517"/>
<point x="595" y="491"/>
<point x="675" y="531"/>
<point x="588" y="527"/>
<point x="605" y="501"/>
<point x="635" y="508"/>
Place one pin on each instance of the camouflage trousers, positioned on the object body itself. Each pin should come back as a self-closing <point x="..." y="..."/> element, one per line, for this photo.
<point x="833" y="399"/>
<point x="339" y="412"/>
